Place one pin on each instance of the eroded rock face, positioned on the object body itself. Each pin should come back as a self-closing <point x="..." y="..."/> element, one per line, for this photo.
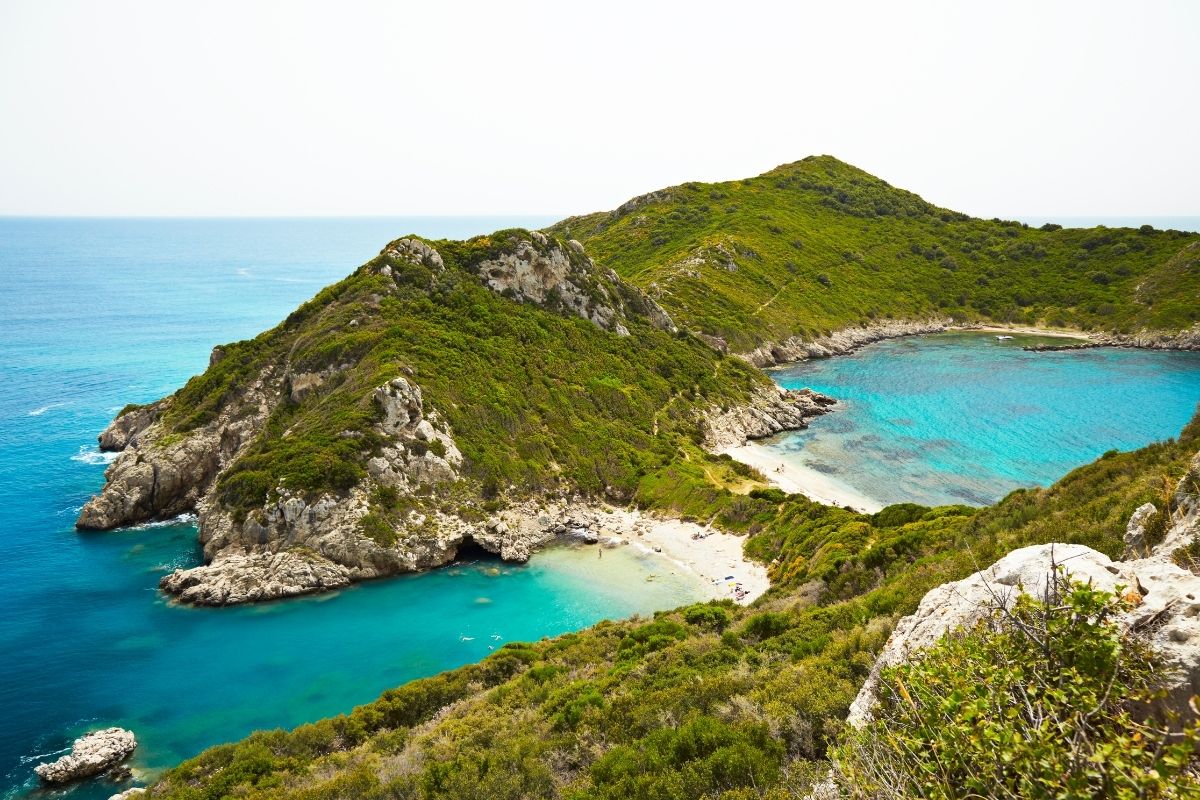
<point x="152" y="482"/>
<point x="123" y="430"/>
<point x="90" y="755"/>
<point x="541" y="271"/>
<point x="840" y="342"/>
<point x="160" y="474"/>
<point x="772" y="410"/>
<point x="1165" y="606"/>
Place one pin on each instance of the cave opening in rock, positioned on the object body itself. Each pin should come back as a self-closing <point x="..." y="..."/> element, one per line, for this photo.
<point x="470" y="551"/>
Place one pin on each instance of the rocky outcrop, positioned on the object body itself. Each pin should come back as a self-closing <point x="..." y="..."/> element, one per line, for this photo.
<point x="153" y="482"/>
<point x="1135" y="531"/>
<point x="124" y="430"/>
<point x="1163" y="598"/>
<point x="545" y="272"/>
<point x="90" y="755"/>
<point x="840" y="342"/>
<point x="161" y="474"/>
<point x="248" y="578"/>
<point x="772" y="410"/>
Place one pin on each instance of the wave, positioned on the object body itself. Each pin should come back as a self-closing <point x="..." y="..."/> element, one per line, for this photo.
<point x="37" y="412"/>
<point x="243" y="272"/>
<point x="92" y="455"/>
<point x="187" y="518"/>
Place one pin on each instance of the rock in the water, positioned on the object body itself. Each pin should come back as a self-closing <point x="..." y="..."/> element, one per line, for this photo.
<point x="90" y="755"/>
<point x="234" y="579"/>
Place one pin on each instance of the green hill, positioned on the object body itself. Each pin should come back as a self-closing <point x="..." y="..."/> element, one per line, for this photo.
<point x="710" y="700"/>
<point x="818" y="245"/>
<point x="394" y="416"/>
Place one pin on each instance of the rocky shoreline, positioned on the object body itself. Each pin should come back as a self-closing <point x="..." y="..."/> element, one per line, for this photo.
<point x="296" y="545"/>
<point x="1188" y="341"/>
<point x="849" y="340"/>
<point x="840" y="342"/>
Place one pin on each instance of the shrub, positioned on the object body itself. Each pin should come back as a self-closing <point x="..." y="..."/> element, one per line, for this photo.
<point x="1036" y="702"/>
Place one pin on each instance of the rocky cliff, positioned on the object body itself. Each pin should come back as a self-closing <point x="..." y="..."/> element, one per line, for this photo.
<point x="1160" y="586"/>
<point x="365" y="436"/>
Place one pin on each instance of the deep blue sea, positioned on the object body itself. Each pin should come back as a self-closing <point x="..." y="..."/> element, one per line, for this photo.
<point x="95" y="314"/>
<point x="967" y="418"/>
<point x="98" y="313"/>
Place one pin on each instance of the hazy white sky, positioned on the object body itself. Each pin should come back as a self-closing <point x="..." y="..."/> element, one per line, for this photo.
<point x="339" y="108"/>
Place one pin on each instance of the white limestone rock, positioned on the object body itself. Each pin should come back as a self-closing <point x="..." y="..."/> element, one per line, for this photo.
<point x="90" y="755"/>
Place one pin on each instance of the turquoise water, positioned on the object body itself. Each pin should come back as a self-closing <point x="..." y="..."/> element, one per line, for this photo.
<point x="98" y="313"/>
<point x="965" y="418"/>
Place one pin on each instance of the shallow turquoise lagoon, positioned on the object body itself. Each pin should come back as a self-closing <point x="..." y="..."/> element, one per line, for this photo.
<point x="967" y="418"/>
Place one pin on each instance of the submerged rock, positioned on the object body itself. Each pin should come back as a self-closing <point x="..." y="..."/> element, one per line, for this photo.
<point x="90" y="755"/>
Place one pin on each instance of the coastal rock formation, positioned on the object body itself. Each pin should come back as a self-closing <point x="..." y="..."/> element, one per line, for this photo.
<point x="770" y="411"/>
<point x="542" y="271"/>
<point x="123" y="430"/>
<point x="90" y="755"/>
<point x="129" y="794"/>
<point x="160" y="474"/>
<point x="839" y="342"/>
<point x="1164" y="601"/>
<point x="248" y="578"/>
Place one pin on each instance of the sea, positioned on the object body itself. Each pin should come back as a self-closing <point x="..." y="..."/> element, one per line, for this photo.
<point x="97" y="313"/>
<point x="965" y="417"/>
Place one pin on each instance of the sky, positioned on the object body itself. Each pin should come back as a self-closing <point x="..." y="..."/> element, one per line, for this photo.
<point x="258" y="108"/>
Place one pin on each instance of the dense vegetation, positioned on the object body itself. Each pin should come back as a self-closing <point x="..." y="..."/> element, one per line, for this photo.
<point x="711" y="700"/>
<point x="818" y="245"/>
<point x="537" y="400"/>
<point x="1035" y="701"/>
<point x="708" y="700"/>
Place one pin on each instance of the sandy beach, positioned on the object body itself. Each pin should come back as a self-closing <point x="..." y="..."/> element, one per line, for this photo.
<point x="715" y="558"/>
<point x="798" y="479"/>
<point x="1026" y="330"/>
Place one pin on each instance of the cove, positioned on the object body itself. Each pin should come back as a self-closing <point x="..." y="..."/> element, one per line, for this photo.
<point x="963" y="417"/>
<point x="95" y="314"/>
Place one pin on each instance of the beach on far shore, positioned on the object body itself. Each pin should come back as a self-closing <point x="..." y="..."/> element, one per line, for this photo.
<point x="1025" y="330"/>
<point x="796" y="478"/>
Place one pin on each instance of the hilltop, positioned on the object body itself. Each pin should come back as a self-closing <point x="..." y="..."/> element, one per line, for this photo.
<point x="817" y="246"/>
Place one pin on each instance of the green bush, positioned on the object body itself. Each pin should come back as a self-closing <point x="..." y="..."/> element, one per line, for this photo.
<point x="1036" y="702"/>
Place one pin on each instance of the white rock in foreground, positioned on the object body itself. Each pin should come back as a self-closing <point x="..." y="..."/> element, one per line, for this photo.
<point x="90" y="755"/>
<point x="1164" y="598"/>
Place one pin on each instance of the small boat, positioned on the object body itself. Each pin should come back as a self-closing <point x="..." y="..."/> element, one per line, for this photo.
<point x="1003" y="337"/>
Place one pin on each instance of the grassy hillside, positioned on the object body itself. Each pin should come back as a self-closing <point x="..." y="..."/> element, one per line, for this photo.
<point x="709" y="700"/>
<point x="537" y="400"/>
<point x="818" y="245"/>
